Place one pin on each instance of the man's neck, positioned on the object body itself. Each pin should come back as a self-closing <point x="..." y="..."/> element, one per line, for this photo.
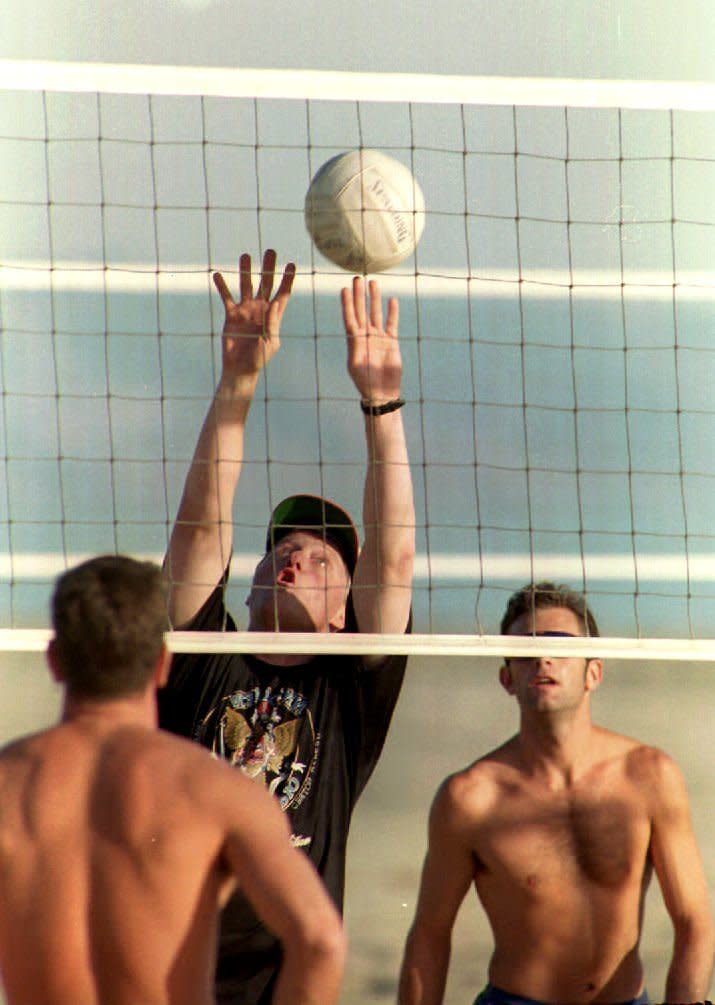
<point x="558" y="748"/>
<point x="109" y="714"/>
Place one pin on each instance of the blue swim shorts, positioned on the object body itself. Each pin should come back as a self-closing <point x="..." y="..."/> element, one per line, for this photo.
<point x="495" y="996"/>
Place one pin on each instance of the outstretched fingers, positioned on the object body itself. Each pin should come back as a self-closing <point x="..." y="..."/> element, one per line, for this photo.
<point x="354" y="309"/>
<point x="268" y="272"/>
<point x="223" y="290"/>
<point x="364" y="315"/>
<point x="286" y="285"/>
<point x="258" y="308"/>
<point x="375" y="305"/>
<point x="245" y="284"/>
<point x="393" y="317"/>
<point x="347" y="302"/>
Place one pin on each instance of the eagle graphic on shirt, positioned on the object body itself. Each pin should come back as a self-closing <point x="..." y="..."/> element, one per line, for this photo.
<point x="257" y="731"/>
<point x="258" y="748"/>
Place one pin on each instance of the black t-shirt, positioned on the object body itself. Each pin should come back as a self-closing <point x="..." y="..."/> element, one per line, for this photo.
<point x="312" y="734"/>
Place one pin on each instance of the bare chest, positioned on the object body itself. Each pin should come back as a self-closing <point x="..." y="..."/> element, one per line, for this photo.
<point x="601" y="838"/>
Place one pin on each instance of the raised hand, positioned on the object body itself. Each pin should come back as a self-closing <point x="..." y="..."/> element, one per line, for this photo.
<point x="252" y="326"/>
<point x="374" y="360"/>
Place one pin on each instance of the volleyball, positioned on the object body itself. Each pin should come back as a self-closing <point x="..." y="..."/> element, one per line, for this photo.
<point x="365" y="211"/>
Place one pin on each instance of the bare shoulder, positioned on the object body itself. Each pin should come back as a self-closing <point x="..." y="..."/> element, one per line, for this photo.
<point x="649" y="768"/>
<point x="190" y="767"/>
<point x="658" y="774"/>
<point x="642" y="761"/>
<point x="470" y="795"/>
<point x="209" y="784"/>
<point x="27" y="755"/>
<point x="16" y="762"/>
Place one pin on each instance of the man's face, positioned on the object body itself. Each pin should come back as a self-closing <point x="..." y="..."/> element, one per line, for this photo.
<point x="301" y="585"/>
<point x="549" y="682"/>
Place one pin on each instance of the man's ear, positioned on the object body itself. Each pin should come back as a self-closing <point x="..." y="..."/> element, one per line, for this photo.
<point x="162" y="668"/>
<point x="594" y="674"/>
<point x="337" y="622"/>
<point x="53" y="662"/>
<point x="505" y="678"/>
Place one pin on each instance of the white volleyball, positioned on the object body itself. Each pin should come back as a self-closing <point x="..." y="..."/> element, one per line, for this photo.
<point x="365" y="211"/>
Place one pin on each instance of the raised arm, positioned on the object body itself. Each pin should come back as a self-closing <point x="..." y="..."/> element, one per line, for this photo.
<point x="287" y="894"/>
<point x="678" y="865"/>
<point x="382" y="585"/>
<point x="446" y="876"/>
<point x="202" y="537"/>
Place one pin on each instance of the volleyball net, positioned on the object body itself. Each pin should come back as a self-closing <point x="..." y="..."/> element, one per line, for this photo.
<point x="556" y="327"/>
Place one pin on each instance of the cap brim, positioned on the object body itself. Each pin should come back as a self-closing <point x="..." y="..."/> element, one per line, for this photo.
<point x="316" y="515"/>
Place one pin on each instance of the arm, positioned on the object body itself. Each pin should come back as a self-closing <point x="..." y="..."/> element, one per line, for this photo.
<point x="446" y="876"/>
<point x="287" y="894"/>
<point x="202" y="537"/>
<point x="382" y="585"/>
<point x="680" y="873"/>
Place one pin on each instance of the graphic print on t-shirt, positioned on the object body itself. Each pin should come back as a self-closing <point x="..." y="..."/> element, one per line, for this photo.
<point x="258" y="730"/>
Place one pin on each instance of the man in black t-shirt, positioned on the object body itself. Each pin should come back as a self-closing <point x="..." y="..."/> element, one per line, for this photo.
<point x="308" y="728"/>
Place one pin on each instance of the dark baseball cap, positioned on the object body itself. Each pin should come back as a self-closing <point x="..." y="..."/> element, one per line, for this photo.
<point x="316" y="515"/>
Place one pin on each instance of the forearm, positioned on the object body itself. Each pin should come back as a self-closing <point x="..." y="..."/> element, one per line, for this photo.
<point x="202" y="535"/>
<point x="387" y="558"/>
<point x="216" y="463"/>
<point x="691" y="968"/>
<point x="424" y="969"/>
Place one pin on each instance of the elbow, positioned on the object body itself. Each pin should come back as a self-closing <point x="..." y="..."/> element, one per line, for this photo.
<point x="402" y="567"/>
<point x="331" y="943"/>
<point x="696" y="931"/>
<point x="426" y="937"/>
<point x="322" y="942"/>
<point x="397" y="568"/>
<point x="425" y="963"/>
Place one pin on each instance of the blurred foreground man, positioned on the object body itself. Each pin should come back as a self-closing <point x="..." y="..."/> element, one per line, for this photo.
<point x="119" y="843"/>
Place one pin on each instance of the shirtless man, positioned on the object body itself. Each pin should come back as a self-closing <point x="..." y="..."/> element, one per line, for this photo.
<point x="559" y="830"/>
<point x="119" y="843"/>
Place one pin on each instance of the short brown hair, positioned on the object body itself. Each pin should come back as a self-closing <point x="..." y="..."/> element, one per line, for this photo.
<point x="109" y="616"/>
<point x="545" y="594"/>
